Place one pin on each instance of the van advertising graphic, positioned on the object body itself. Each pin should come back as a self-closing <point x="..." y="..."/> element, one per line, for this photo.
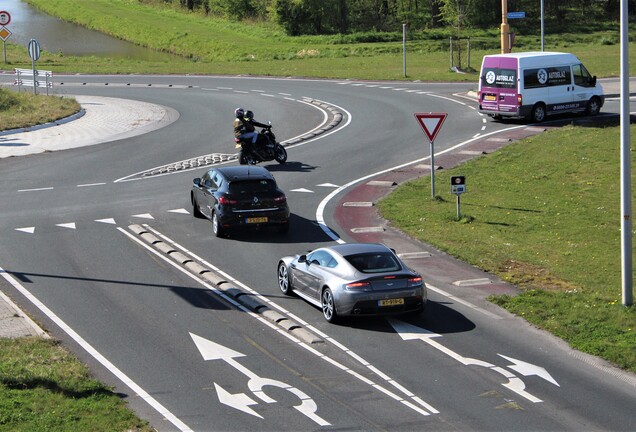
<point x="547" y="77"/>
<point x="495" y="77"/>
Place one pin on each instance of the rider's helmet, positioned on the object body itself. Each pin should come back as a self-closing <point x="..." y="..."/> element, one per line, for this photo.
<point x="249" y="115"/>
<point x="239" y="112"/>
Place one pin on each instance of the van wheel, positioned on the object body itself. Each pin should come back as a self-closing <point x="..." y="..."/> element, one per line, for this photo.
<point x="593" y="106"/>
<point x="538" y="113"/>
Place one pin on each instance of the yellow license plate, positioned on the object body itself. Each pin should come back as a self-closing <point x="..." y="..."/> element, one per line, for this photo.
<point x="256" y="220"/>
<point x="490" y="97"/>
<point x="392" y="302"/>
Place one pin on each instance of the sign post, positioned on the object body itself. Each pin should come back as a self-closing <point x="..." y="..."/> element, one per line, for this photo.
<point x="5" y="19"/>
<point x="458" y="187"/>
<point x="34" y="53"/>
<point x="431" y="123"/>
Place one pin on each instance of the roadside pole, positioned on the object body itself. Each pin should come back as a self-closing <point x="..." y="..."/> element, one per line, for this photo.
<point x="34" y="53"/>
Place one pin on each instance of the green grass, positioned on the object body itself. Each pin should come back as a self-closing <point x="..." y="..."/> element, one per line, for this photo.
<point x="44" y="388"/>
<point x="543" y="214"/>
<point x="18" y="110"/>
<point x="208" y="45"/>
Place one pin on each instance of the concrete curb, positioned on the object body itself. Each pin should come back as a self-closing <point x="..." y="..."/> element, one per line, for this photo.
<point x="248" y="300"/>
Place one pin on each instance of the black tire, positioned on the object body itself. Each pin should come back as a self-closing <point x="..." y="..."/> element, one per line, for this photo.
<point x="281" y="154"/>
<point x="328" y="305"/>
<point x="216" y="226"/>
<point x="538" y="113"/>
<point x="283" y="279"/>
<point x="196" y="212"/>
<point x="242" y="159"/>
<point x="593" y="106"/>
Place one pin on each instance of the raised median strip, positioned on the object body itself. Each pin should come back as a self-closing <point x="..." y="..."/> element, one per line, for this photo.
<point x="245" y="299"/>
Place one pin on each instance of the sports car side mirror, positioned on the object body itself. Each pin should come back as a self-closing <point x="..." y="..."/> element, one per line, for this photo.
<point x="197" y="182"/>
<point x="302" y="258"/>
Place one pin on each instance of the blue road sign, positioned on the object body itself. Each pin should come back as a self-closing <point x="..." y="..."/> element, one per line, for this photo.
<point x="516" y="15"/>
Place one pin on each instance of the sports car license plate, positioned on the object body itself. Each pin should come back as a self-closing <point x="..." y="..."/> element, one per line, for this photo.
<point x="391" y="302"/>
<point x="256" y="220"/>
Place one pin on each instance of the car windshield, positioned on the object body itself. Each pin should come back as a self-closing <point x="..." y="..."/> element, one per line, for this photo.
<point x="252" y="186"/>
<point x="378" y="262"/>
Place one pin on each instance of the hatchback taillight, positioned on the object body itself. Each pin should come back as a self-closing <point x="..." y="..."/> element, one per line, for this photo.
<point x="281" y="199"/>
<point x="225" y="200"/>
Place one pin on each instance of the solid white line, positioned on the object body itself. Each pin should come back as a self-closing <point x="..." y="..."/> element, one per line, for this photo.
<point x="96" y="354"/>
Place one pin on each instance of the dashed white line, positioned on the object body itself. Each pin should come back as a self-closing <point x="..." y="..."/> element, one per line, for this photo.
<point x="90" y="184"/>
<point x="35" y="189"/>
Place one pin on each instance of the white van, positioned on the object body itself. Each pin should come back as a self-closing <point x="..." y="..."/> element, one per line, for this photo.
<point x="534" y="85"/>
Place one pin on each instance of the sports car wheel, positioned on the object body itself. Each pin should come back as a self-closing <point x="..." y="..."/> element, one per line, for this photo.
<point x="283" y="279"/>
<point x="328" y="306"/>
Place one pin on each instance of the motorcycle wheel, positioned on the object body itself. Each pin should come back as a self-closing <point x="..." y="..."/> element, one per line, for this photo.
<point x="281" y="154"/>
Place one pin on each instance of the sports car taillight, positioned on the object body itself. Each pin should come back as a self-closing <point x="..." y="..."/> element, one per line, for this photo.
<point x="358" y="286"/>
<point x="416" y="281"/>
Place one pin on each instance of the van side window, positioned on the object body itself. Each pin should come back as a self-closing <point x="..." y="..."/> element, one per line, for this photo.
<point x="581" y="76"/>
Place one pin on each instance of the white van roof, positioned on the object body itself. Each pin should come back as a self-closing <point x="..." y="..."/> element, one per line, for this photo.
<point x="539" y="58"/>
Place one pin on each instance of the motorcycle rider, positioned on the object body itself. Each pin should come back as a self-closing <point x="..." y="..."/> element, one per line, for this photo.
<point x="245" y="126"/>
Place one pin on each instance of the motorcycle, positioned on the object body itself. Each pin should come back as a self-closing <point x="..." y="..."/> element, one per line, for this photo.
<point x="265" y="149"/>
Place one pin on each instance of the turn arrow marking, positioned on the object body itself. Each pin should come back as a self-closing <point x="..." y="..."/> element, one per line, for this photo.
<point x="527" y="369"/>
<point x="240" y="401"/>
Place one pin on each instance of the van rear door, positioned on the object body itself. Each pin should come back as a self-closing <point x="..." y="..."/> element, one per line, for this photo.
<point x="498" y="86"/>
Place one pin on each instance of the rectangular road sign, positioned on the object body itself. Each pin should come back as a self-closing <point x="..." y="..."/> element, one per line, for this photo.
<point x="513" y="15"/>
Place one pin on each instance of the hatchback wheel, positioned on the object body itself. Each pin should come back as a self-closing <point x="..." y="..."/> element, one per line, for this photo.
<point x="216" y="225"/>
<point x="283" y="279"/>
<point x="328" y="306"/>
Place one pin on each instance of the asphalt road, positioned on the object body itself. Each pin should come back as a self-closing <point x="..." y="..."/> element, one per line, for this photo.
<point x="187" y="356"/>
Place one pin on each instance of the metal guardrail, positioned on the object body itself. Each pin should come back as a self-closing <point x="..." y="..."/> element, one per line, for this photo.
<point x="35" y="78"/>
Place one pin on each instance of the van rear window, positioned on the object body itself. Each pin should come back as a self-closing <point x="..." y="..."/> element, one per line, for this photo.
<point x="499" y="78"/>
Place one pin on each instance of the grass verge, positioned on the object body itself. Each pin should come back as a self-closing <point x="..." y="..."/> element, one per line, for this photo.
<point x="543" y="214"/>
<point x="44" y="388"/>
<point x="19" y="110"/>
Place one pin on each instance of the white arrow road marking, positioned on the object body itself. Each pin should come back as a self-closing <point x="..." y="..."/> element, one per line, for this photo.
<point x="70" y="225"/>
<point x="144" y="216"/>
<point x="411" y="332"/>
<point x="302" y="190"/>
<point x="240" y="401"/>
<point x="212" y="351"/>
<point x="527" y="369"/>
<point x="330" y="185"/>
<point x="29" y="230"/>
<point x="107" y="221"/>
<point x="181" y="211"/>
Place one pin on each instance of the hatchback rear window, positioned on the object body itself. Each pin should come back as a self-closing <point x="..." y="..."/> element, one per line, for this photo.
<point x="374" y="262"/>
<point x="252" y="186"/>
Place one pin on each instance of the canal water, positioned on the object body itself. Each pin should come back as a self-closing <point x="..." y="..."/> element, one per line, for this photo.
<point x="57" y="36"/>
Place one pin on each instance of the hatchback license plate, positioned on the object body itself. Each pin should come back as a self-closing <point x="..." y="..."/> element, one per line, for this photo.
<point x="256" y="220"/>
<point x="391" y="302"/>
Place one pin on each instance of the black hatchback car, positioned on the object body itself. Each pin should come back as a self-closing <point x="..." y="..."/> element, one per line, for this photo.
<point x="239" y="196"/>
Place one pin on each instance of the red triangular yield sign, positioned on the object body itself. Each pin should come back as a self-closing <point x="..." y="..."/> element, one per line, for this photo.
<point x="431" y="123"/>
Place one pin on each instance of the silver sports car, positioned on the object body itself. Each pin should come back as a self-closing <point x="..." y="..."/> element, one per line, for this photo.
<point x="353" y="279"/>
